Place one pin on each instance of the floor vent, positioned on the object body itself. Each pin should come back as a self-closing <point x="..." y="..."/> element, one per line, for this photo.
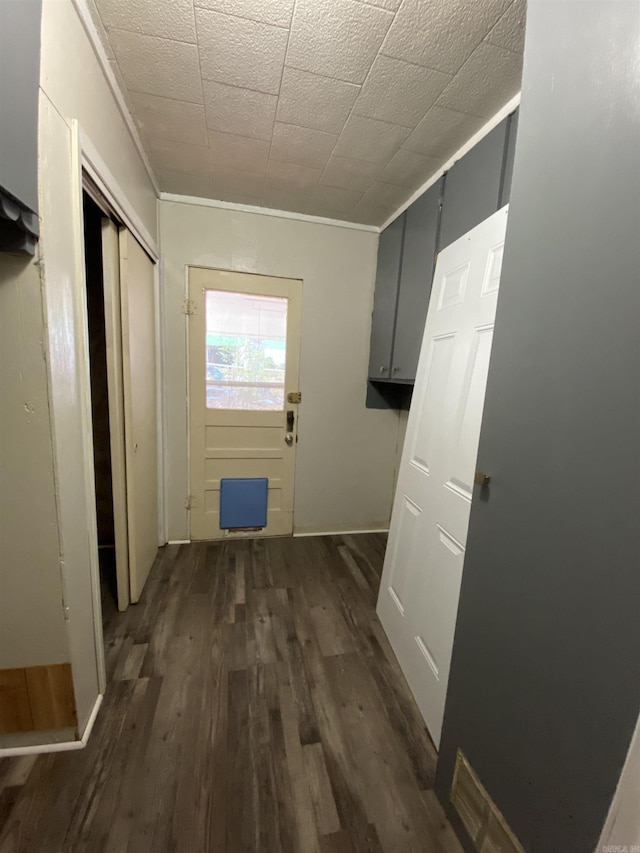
<point x="479" y="814"/>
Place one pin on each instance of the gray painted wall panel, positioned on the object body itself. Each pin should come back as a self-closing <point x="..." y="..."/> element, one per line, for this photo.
<point x="472" y="186"/>
<point x="386" y="293"/>
<point x="507" y="177"/>
<point x="418" y="255"/>
<point x="19" y="81"/>
<point x="544" y="689"/>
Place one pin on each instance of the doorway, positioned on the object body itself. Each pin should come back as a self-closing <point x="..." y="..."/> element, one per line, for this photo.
<point x="244" y="354"/>
<point x="120" y="304"/>
<point x="420" y="587"/>
<point x="100" y="410"/>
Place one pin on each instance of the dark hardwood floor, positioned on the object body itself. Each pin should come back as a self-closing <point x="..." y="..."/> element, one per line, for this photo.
<point x="253" y="704"/>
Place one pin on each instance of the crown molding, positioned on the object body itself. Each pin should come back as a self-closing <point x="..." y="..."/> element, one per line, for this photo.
<point x="494" y="121"/>
<point x="91" y="30"/>
<point x="266" y="211"/>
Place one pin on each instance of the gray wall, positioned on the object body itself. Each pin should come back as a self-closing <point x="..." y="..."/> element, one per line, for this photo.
<point x="545" y="680"/>
<point x="19" y="74"/>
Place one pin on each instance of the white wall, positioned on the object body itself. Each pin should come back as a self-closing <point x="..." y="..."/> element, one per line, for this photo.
<point x="345" y="459"/>
<point x="73" y="87"/>
<point x="622" y="827"/>
<point x="47" y="496"/>
<point x="32" y="630"/>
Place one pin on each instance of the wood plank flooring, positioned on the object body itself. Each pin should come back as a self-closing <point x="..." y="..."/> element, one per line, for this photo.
<point x="253" y="704"/>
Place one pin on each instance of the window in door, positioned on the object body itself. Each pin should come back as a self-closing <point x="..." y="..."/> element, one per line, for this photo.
<point x="246" y="348"/>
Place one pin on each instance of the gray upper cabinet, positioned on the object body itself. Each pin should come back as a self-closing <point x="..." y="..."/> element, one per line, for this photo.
<point x="472" y="186"/>
<point x="475" y="187"/>
<point x="512" y="132"/>
<point x="418" y="256"/>
<point x="386" y="296"/>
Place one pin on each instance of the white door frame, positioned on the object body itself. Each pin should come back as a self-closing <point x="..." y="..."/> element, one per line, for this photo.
<point x="85" y="158"/>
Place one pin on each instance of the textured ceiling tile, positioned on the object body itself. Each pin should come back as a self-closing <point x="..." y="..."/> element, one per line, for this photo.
<point x="369" y="139"/>
<point x="310" y="100"/>
<point x="99" y="25"/>
<point x="301" y="145"/>
<point x="126" y="94"/>
<point x="383" y="195"/>
<point x="349" y="174"/>
<point x="290" y="177"/>
<point x="227" y="180"/>
<point x="408" y="169"/>
<point x="158" y="66"/>
<point x="240" y="52"/>
<point x="399" y="92"/>
<point x="389" y="5"/>
<point x="163" y="118"/>
<point x="179" y="156"/>
<point x="238" y="152"/>
<point x="337" y="40"/>
<point x="509" y="31"/>
<point x="441" y="35"/>
<point x="172" y="20"/>
<point x="239" y="111"/>
<point x="333" y="198"/>
<point x="371" y="214"/>
<point x="239" y="198"/>
<point x="441" y="132"/>
<point x="277" y="12"/>
<point x="488" y="80"/>
<point x="279" y="199"/>
<point x="184" y="183"/>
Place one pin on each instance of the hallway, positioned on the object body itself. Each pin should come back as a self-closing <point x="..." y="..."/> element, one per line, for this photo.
<point x="253" y="704"/>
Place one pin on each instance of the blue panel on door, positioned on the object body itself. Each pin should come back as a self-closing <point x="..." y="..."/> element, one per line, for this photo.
<point x="243" y="502"/>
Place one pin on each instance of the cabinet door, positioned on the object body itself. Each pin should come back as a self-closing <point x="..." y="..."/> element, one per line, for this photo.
<point x="472" y="186"/>
<point x="385" y="298"/>
<point x="508" y="159"/>
<point x="418" y="255"/>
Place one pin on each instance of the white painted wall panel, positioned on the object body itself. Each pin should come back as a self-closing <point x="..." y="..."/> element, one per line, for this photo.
<point x="346" y="455"/>
<point x="72" y="78"/>
<point x="32" y="630"/>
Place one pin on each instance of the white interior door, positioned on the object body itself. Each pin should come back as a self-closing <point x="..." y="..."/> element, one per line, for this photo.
<point x="420" y="587"/>
<point x="139" y="385"/>
<point x="113" y="336"/>
<point x="244" y="351"/>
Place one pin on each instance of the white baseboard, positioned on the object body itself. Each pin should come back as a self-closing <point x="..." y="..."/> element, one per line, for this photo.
<point x="300" y="534"/>
<point x="179" y="542"/>
<point x="56" y="747"/>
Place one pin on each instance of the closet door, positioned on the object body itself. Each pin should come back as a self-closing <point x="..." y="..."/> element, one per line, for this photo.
<point x="139" y="383"/>
<point x="113" y="336"/>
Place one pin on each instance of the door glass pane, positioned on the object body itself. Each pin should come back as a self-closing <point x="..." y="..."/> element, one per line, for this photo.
<point x="246" y="351"/>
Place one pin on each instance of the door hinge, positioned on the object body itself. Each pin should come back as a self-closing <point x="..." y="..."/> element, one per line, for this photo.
<point x="294" y="397"/>
<point x="189" y="307"/>
<point x="190" y="502"/>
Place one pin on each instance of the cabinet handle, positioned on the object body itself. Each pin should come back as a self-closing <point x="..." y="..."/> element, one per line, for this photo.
<point x="397" y="369"/>
<point x="383" y="369"/>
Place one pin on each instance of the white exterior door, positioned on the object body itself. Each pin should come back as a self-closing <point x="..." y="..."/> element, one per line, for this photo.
<point x="418" y="599"/>
<point x="244" y="350"/>
<point x="137" y="303"/>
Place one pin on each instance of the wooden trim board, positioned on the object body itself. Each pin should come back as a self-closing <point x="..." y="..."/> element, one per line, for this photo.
<point x="37" y="698"/>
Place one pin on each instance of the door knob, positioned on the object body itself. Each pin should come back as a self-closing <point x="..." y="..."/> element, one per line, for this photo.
<point x="288" y="439"/>
<point x="482" y="479"/>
